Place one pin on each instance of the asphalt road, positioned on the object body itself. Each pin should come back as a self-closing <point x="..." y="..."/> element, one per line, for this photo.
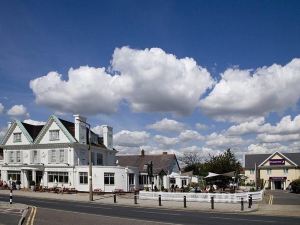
<point x="285" y="198"/>
<point x="150" y="214"/>
<point x="9" y="216"/>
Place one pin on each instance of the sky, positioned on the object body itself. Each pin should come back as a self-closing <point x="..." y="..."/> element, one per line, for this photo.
<point x="176" y="76"/>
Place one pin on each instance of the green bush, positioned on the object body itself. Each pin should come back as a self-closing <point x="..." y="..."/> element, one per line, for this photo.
<point x="295" y="186"/>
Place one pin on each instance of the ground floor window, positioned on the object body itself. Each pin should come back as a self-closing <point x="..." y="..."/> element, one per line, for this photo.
<point x="109" y="178"/>
<point x="14" y="175"/>
<point x="172" y="181"/>
<point x="183" y="182"/>
<point x="60" y="177"/>
<point x="143" y="179"/>
<point x="83" y="177"/>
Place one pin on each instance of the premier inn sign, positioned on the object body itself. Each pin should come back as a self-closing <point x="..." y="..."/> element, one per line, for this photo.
<point x="277" y="161"/>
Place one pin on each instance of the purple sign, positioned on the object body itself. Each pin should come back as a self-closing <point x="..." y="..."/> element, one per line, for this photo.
<point x="277" y="161"/>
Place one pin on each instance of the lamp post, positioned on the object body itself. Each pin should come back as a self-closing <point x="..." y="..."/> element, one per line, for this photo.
<point x="90" y="162"/>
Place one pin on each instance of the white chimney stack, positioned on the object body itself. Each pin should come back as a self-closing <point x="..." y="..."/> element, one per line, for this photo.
<point x="107" y="132"/>
<point x="80" y="129"/>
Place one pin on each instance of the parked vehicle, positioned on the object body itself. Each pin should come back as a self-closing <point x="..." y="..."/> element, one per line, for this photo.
<point x="295" y="186"/>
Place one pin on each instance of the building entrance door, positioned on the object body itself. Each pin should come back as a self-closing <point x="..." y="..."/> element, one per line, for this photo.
<point x="38" y="177"/>
<point x="277" y="185"/>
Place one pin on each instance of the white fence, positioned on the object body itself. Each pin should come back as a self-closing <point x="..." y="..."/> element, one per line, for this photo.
<point x="202" y="197"/>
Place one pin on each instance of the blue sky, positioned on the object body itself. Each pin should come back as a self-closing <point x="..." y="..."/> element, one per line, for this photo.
<point x="155" y="69"/>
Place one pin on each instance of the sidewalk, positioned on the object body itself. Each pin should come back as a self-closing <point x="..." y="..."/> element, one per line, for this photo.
<point x="128" y="200"/>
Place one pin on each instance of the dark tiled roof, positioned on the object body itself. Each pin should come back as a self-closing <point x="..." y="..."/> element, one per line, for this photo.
<point x="163" y="162"/>
<point x="33" y="130"/>
<point x="69" y="126"/>
<point x="251" y="159"/>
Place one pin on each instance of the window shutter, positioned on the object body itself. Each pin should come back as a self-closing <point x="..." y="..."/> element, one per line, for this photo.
<point x="66" y="156"/>
<point x="21" y="156"/>
<point x="31" y="156"/>
<point x="49" y="156"/>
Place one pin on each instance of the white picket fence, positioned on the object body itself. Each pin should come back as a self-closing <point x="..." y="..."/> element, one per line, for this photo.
<point x="202" y="197"/>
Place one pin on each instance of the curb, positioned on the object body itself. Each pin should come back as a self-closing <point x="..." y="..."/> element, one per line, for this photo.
<point x="24" y="214"/>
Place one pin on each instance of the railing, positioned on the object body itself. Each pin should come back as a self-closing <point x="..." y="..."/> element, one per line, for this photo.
<point x="202" y="197"/>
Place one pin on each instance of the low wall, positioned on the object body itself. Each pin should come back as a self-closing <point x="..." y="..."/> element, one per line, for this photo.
<point x="202" y="197"/>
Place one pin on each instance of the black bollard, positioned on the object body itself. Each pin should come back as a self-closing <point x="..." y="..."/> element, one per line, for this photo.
<point x="184" y="201"/>
<point x="135" y="199"/>
<point x="159" y="200"/>
<point x="212" y="202"/>
<point x="242" y="204"/>
<point x="10" y="196"/>
<point x="115" y="198"/>
<point x="250" y="201"/>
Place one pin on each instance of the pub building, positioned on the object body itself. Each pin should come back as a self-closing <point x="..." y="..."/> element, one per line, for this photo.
<point x="276" y="170"/>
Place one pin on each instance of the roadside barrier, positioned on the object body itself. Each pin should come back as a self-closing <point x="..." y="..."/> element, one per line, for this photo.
<point x="250" y="201"/>
<point x="212" y="202"/>
<point x="184" y="201"/>
<point x="202" y="197"/>
<point x="11" y="196"/>
<point x="159" y="200"/>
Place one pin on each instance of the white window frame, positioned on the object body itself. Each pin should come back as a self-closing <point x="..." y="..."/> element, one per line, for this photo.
<point x="109" y="178"/>
<point x="17" y="137"/>
<point x="269" y="171"/>
<point x="11" y="156"/>
<point x="35" y="156"/>
<point x="61" y="155"/>
<point x="18" y="157"/>
<point x="53" y="135"/>
<point x="83" y="178"/>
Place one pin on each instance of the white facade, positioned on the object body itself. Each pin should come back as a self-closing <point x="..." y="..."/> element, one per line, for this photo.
<point x="56" y="157"/>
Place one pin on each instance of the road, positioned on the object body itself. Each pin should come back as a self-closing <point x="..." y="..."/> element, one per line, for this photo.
<point x="70" y="212"/>
<point x="285" y="198"/>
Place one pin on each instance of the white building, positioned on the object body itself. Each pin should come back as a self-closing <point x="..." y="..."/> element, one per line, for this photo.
<point x="57" y="153"/>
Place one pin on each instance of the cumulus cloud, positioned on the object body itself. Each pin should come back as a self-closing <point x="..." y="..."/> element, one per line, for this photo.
<point x="88" y="90"/>
<point x="203" y="151"/>
<point x="242" y="95"/>
<point x="18" y="111"/>
<point x="278" y="137"/>
<point x="150" y="80"/>
<point x="34" y="122"/>
<point x="223" y="141"/>
<point x="247" y="127"/>
<point x="131" y="138"/>
<point x="160" y="82"/>
<point x="190" y="135"/>
<point x="167" y="125"/>
<point x="164" y="141"/>
<point x="98" y="130"/>
<point x="266" y="148"/>
<point x="200" y="126"/>
<point x="1" y="108"/>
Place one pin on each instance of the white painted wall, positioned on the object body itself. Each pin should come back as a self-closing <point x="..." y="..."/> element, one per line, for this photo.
<point x="62" y="137"/>
<point x="10" y="140"/>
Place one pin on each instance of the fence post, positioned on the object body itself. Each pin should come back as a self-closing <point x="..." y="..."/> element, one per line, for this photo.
<point x="159" y="200"/>
<point x="10" y="196"/>
<point x="184" y="201"/>
<point x="115" y="198"/>
<point x="212" y="202"/>
<point x="135" y="199"/>
<point x="250" y="201"/>
<point x="242" y="204"/>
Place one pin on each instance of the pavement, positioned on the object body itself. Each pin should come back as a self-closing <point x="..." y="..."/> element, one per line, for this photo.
<point x="128" y="200"/>
<point x="12" y="213"/>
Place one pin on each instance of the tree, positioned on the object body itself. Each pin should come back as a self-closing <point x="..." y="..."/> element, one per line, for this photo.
<point x="191" y="158"/>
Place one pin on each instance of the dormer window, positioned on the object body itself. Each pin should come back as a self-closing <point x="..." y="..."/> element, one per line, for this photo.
<point x="17" y="137"/>
<point x="53" y="135"/>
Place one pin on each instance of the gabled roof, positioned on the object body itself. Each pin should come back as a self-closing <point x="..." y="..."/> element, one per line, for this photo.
<point x="22" y="127"/>
<point x="64" y="125"/>
<point x="251" y="159"/>
<point x="163" y="162"/>
<point x="33" y="130"/>
<point x="280" y="154"/>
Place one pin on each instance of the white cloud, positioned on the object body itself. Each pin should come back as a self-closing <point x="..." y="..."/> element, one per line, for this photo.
<point x="164" y="141"/>
<point x="190" y="135"/>
<point x="265" y="148"/>
<point x="241" y="95"/>
<point x="224" y="141"/>
<point x="34" y="122"/>
<point x="247" y="127"/>
<point x="98" y="130"/>
<point x="285" y="126"/>
<point x="203" y="151"/>
<point x="131" y="138"/>
<point x="1" y="108"/>
<point x="18" y="111"/>
<point x="160" y="82"/>
<point x="88" y="90"/>
<point x="278" y="137"/>
<point x="200" y="126"/>
<point x="149" y="80"/>
<point x="167" y="125"/>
